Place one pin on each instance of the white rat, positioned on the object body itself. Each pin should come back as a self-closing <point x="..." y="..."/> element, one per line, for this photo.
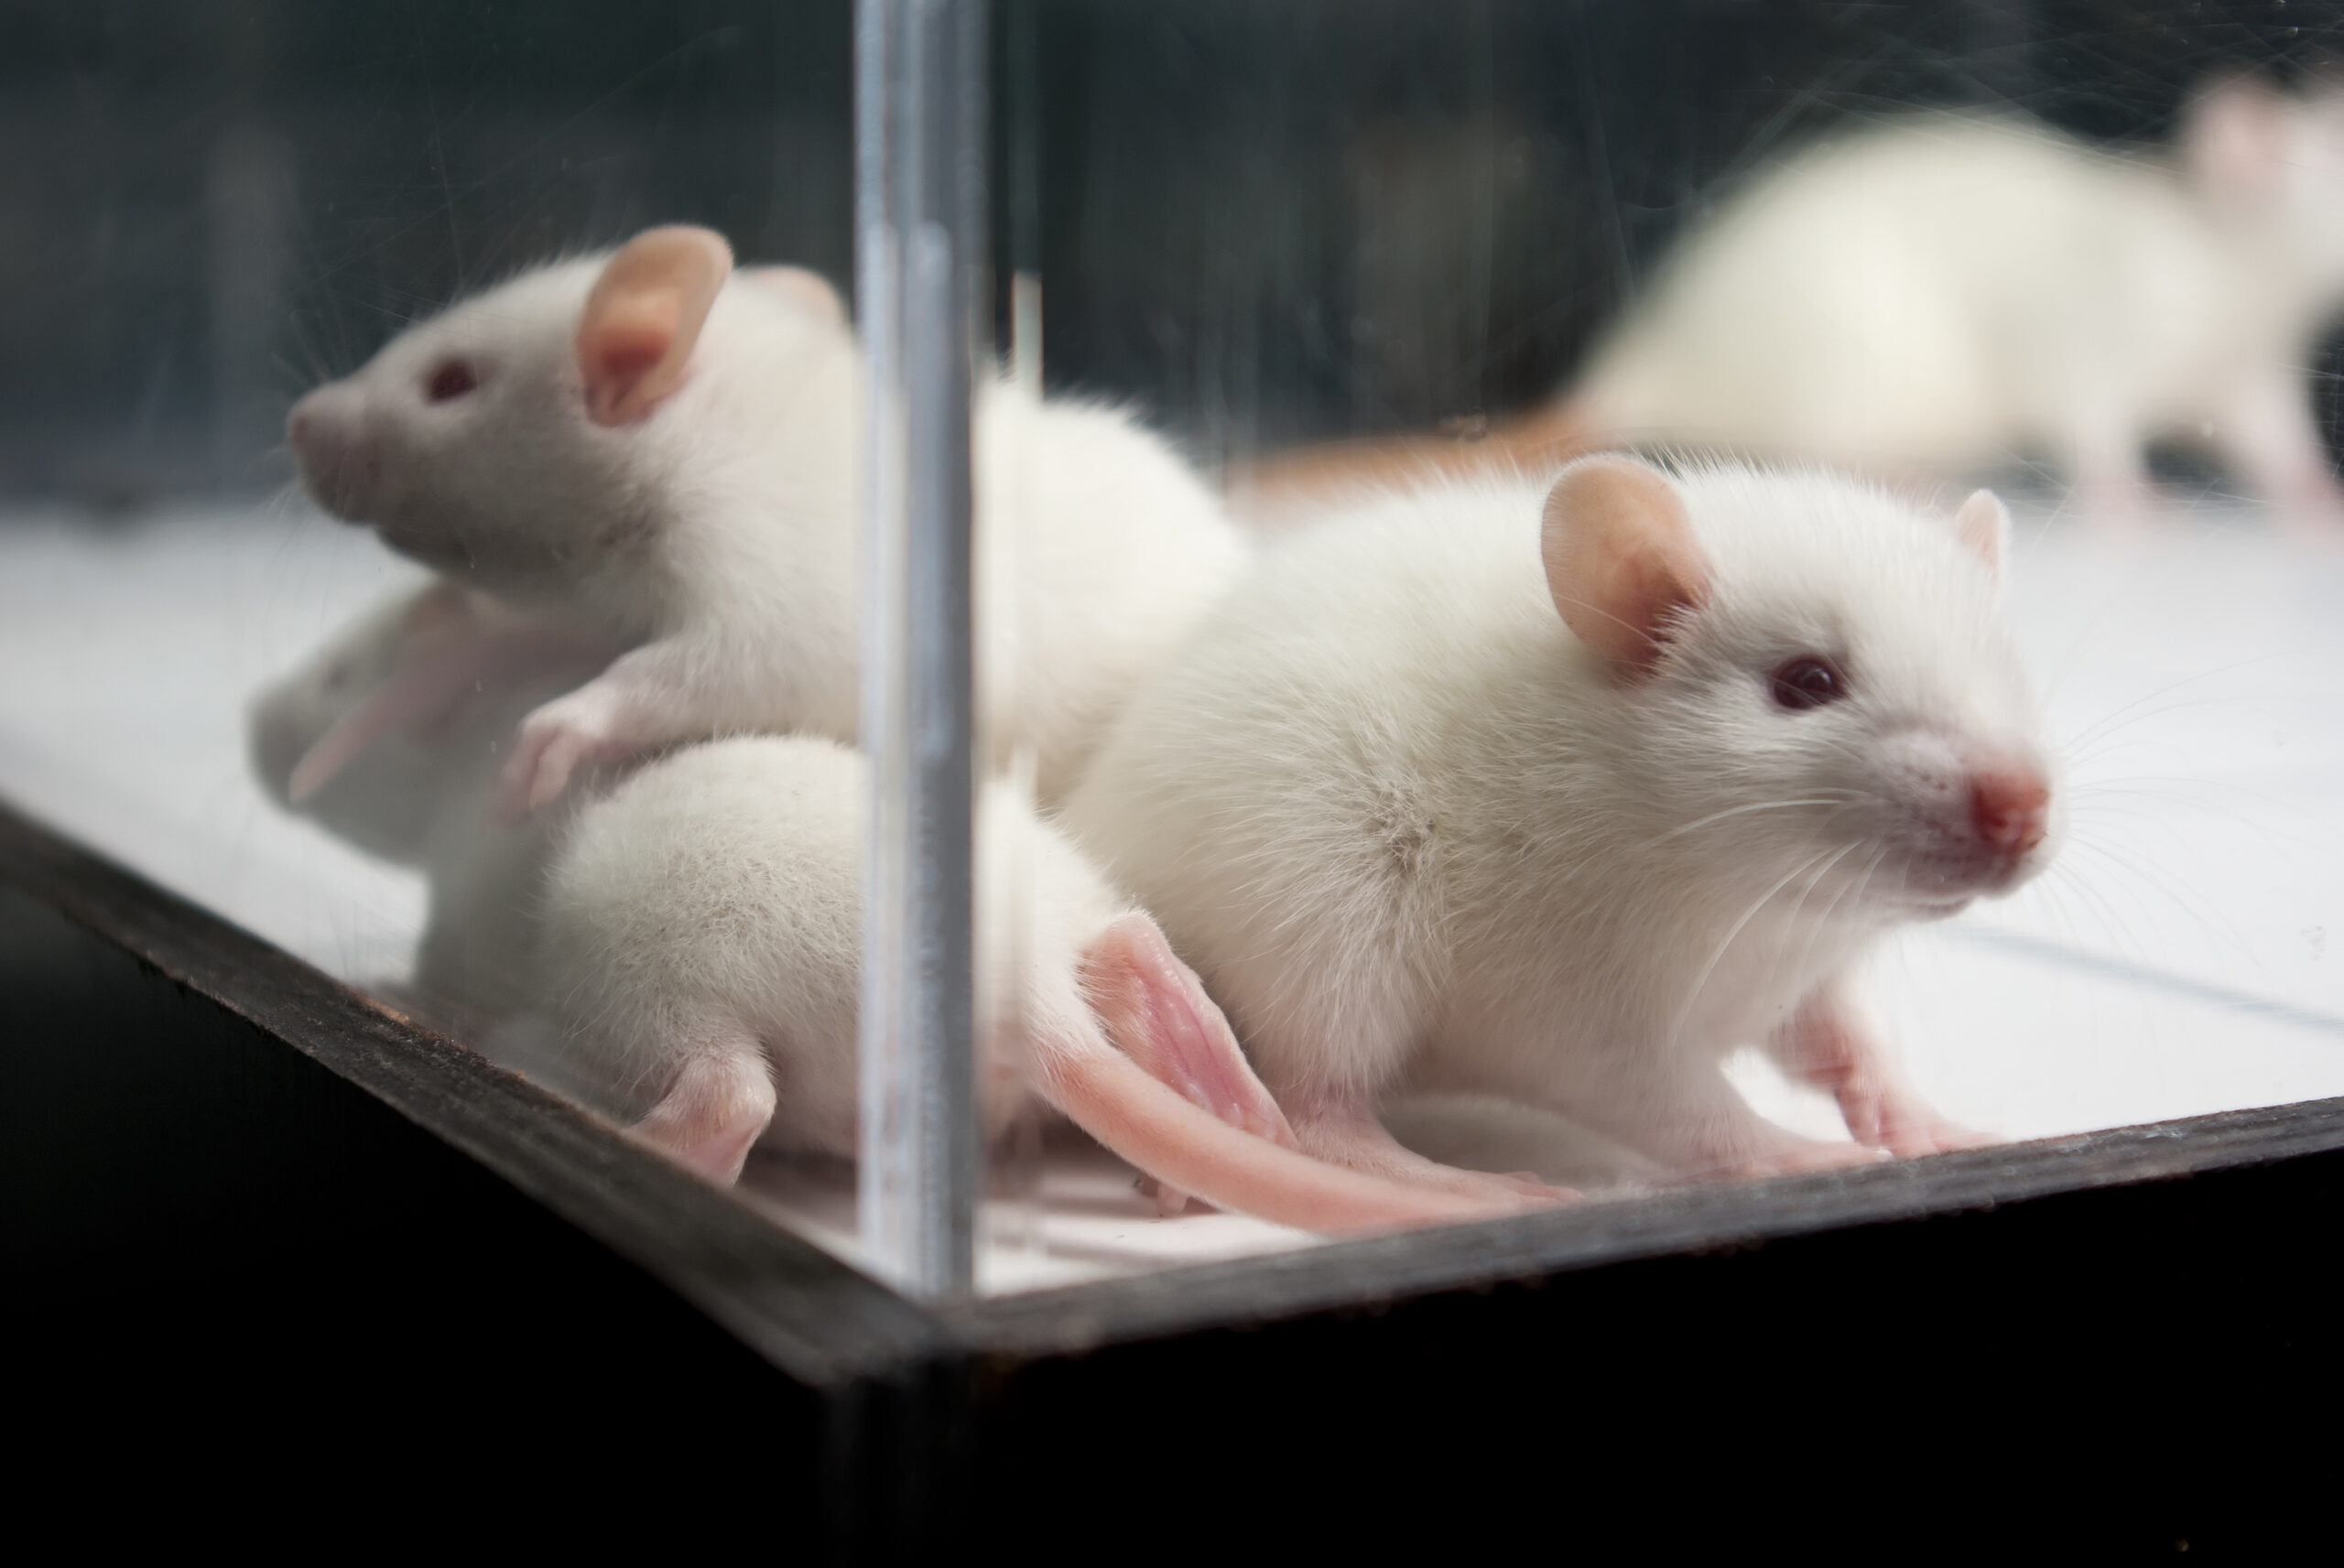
<point x="656" y="448"/>
<point x="701" y="937"/>
<point x="1939" y="294"/>
<point x="1564" y="795"/>
<point x="693" y="938"/>
<point x="416" y="789"/>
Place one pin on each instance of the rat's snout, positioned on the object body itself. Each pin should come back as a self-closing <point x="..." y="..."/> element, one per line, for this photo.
<point x="2010" y="807"/>
<point x="1969" y="818"/>
<point x="327" y="431"/>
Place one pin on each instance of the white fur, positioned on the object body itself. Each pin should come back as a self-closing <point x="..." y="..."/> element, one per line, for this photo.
<point x="710" y="897"/>
<point x="681" y="951"/>
<point x="1938" y="292"/>
<point x="423" y="800"/>
<point x="721" y="532"/>
<point x="1412" y="833"/>
<point x="710" y="905"/>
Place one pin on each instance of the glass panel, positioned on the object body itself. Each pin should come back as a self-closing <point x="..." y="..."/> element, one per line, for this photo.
<point x="1246" y="275"/>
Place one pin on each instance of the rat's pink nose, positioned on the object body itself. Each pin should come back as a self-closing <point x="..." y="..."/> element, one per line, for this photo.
<point x="332" y="447"/>
<point x="2009" y="806"/>
<point x="307" y="425"/>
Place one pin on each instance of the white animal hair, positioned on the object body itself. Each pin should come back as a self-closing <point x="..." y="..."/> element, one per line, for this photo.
<point x="1413" y="833"/>
<point x="724" y="530"/>
<point x="1938" y="292"/>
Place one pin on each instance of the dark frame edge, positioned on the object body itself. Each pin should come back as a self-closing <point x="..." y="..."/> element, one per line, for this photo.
<point x="818" y="1320"/>
<point x="826" y="1325"/>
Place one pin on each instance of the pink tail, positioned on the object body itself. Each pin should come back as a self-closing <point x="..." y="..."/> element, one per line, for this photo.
<point x="1155" y="1010"/>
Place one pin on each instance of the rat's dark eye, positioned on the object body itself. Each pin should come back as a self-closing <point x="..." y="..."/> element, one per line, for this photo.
<point x="1807" y="682"/>
<point x="449" y="380"/>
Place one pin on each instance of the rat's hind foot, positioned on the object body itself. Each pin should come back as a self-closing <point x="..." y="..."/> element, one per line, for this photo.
<point x="719" y="1106"/>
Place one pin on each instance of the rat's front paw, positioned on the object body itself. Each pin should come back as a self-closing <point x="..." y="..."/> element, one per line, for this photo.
<point x="1807" y="1156"/>
<point x="1902" y="1125"/>
<point x="1932" y="1135"/>
<point x="552" y="744"/>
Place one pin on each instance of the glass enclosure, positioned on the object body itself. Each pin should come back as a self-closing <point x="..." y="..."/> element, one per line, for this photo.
<point x="1149" y="337"/>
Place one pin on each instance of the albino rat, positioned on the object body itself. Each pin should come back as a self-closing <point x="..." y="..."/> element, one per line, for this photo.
<point x="702" y="936"/>
<point x="415" y="789"/>
<point x="1564" y="795"/>
<point x="693" y="936"/>
<point x="1937" y="294"/>
<point x="1940" y="292"/>
<point x="658" y="450"/>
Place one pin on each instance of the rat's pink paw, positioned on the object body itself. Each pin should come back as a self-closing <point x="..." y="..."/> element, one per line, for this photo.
<point x="1933" y="1135"/>
<point x="1803" y="1158"/>
<point x="1902" y="1124"/>
<point x="552" y="744"/>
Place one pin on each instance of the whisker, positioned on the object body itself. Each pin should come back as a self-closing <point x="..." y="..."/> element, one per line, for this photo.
<point x="1693" y="997"/>
<point x="1841" y="798"/>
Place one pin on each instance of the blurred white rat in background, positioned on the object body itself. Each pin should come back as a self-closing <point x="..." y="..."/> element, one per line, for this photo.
<point x="1564" y="795"/>
<point x="681" y="949"/>
<point x="1939" y="293"/>
<point x="1945" y="294"/>
<point x="657" y="449"/>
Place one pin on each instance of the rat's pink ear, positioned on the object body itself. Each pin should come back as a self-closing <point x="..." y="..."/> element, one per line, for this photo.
<point x="644" y="317"/>
<point x="1983" y="524"/>
<point x="2234" y="141"/>
<point x="810" y="291"/>
<point x="1621" y="561"/>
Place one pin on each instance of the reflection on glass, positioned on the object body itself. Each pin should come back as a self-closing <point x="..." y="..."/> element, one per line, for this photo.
<point x="558" y="748"/>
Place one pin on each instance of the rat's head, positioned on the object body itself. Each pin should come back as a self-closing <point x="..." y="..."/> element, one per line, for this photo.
<point x="2270" y="161"/>
<point x="517" y="440"/>
<point x="1812" y="683"/>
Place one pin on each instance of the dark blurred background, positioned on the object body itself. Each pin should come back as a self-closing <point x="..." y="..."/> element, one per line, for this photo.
<point x="1263" y="223"/>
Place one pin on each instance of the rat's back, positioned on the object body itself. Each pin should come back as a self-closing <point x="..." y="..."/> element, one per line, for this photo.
<point x="1271" y="796"/>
